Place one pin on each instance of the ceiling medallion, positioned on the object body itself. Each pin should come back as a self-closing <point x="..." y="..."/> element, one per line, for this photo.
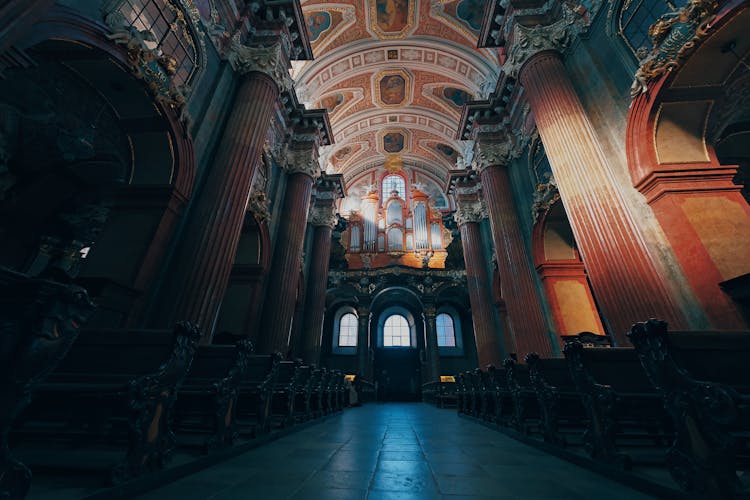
<point x="392" y="19"/>
<point x="393" y="88"/>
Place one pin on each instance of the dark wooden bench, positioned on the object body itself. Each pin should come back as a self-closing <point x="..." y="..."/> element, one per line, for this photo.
<point x="622" y="407"/>
<point x="302" y="391"/>
<point x="524" y="416"/>
<point x="365" y="389"/>
<point x="318" y="384"/>
<point x="704" y="381"/>
<point x="256" y="393"/>
<point x="114" y="393"/>
<point x="39" y="322"/>
<point x="207" y="402"/>
<point x="563" y="416"/>
<point x="285" y="392"/>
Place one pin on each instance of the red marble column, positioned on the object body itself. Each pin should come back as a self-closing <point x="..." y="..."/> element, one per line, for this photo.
<point x="281" y="295"/>
<point x="200" y="275"/>
<point x="487" y="338"/>
<point x="433" y="351"/>
<point x="625" y="280"/>
<point x="312" y="325"/>
<point x="519" y="292"/>
<point x="17" y="16"/>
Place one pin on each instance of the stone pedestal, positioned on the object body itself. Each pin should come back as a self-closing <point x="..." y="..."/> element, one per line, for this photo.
<point x="519" y="291"/>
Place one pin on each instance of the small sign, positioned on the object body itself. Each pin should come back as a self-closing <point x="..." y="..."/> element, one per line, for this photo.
<point x="447" y="378"/>
<point x="349" y="377"/>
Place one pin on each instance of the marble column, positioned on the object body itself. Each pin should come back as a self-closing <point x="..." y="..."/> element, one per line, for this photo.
<point x="519" y="291"/>
<point x="199" y="277"/>
<point x="625" y="280"/>
<point x="17" y="17"/>
<point x="468" y="216"/>
<point x="281" y="294"/>
<point x="323" y="219"/>
<point x="363" y="343"/>
<point x="433" y="352"/>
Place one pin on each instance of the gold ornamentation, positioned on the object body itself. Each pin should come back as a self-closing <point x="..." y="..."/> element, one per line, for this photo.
<point x="675" y="36"/>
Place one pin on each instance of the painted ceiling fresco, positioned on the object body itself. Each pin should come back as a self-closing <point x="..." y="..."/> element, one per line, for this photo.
<point x="393" y="75"/>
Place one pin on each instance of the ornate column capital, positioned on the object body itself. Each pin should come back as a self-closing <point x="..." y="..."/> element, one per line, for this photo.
<point x="470" y="211"/>
<point x="271" y="60"/>
<point x="429" y="311"/>
<point x="303" y="161"/>
<point x="323" y="216"/>
<point x="495" y="153"/>
<point x="529" y="41"/>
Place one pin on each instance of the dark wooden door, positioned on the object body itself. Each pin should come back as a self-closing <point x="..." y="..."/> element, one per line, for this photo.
<point x="397" y="371"/>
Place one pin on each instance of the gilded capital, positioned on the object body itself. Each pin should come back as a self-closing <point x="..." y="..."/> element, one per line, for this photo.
<point x="323" y="216"/>
<point x="470" y="211"/>
<point x="528" y="41"/>
<point x="271" y="60"/>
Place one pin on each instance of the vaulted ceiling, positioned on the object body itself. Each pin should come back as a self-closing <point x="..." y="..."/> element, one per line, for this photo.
<point x="393" y="75"/>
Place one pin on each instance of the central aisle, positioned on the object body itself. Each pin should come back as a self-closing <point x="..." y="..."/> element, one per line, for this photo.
<point x="395" y="451"/>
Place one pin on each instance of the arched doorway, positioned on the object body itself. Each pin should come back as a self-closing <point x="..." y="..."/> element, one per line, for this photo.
<point x="397" y="337"/>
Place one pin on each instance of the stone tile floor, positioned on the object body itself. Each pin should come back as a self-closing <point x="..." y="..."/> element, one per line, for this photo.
<point x="395" y="451"/>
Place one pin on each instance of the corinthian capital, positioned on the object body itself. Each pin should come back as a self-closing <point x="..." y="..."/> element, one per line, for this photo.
<point x="323" y="216"/>
<point x="470" y="211"/>
<point x="528" y="41"/>
<point x="303" y="161"/>
<point x="271" y="60"/>
<point x="495" y="153"/>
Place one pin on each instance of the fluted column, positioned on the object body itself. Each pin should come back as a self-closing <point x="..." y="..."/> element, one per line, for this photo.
<point x="278" y="309"/>
<point x="433" y="352"/>
<point x="521" y="296"/>
<point x="323" y="219"/>
<point x="363" y="342"/>
<point x="201" y="272"/>
<point x="625" y="280"/>
<point x="489" y="351"/>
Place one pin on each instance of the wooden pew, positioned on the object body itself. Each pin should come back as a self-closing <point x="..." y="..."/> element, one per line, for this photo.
<point x="562" y="413"/>
<point x="365" y="389"/>
<point x="302" y="391"/>
<point x="622" y="407"/>
<point x="256" y="393"/>
<point x="704" y="381"/>
<point x="285" y="393"/>
<point x="441" y="394"/>
<point x="207" y="402"/>
<point x="525" y="416"/>
<point x="113" y="394"/>
<point x="39" y="322"/>
<point x="317" y="392"/>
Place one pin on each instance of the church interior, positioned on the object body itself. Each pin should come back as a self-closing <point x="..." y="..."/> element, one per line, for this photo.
<point x="374" y="249"/>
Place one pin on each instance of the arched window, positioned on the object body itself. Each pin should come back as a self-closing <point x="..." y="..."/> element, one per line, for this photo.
<point x="396" y="332"/>
<point x="345" y="331"/>
<point x="394" y="183"/>
<point x="446" y="332"/>
<point x="348" y="330"/>
<point x="172" y="35"/>
<point x="636" y="16"/>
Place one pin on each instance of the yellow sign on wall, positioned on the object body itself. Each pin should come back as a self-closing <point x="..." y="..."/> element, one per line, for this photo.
<point x="447" y="378"/>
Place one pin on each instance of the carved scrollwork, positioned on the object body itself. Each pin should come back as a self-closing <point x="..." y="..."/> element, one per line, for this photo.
<point x="490" y="154"/>
<point x="323" y="216"/>
<point x="600" y="403"/>
<point x="271" y="60"/>
<point x="528" y="41"/>
<point x="470" y="211"/>
<point x="545" y="196"/>
<point x="702" y="457"/>
<point x="303" y="161"/>
<point x="675" y="36"/>
<point x="151" y="399"/>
